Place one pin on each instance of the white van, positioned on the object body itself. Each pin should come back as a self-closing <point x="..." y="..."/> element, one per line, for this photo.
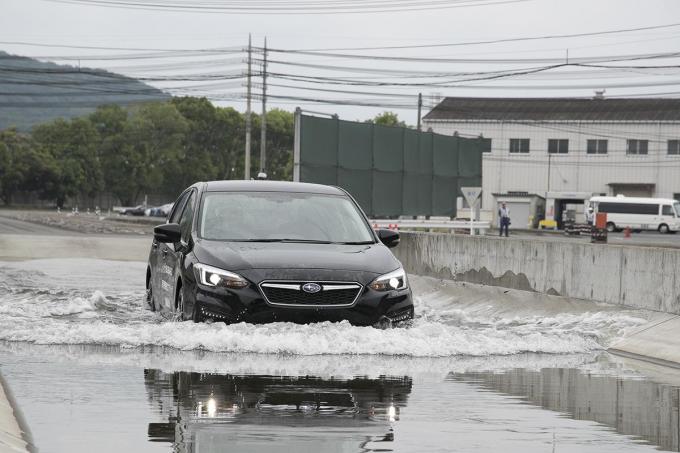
<point x="661" y="214"/>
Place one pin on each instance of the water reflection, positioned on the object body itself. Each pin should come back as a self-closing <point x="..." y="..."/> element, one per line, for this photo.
<point x="638" y="408"/>
<point x="207" y="412"/>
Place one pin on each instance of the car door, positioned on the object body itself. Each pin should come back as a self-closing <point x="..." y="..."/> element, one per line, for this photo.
<point x="163" y="273"/>
<point x="174" y="259"/>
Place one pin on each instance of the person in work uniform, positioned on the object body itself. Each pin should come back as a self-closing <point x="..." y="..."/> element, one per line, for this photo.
<point x="504" y="217"/>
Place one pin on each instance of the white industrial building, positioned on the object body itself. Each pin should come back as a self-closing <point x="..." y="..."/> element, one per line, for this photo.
<point x="547" y="155"/>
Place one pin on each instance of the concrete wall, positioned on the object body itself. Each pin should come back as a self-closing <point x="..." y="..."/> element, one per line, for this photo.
<point x="642" y="277"/>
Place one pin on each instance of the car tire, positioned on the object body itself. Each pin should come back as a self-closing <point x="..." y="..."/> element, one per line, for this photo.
<point x="150" y="304"/>
<point x="179" y="304"/>
<point x="611" y="227"/>
<point x="663" y="229"/>
<point x="148" y="297"/>
<point x="196" y="314"/>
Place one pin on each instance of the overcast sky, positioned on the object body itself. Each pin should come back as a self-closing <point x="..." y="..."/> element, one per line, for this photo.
<point x="48" y="22"/>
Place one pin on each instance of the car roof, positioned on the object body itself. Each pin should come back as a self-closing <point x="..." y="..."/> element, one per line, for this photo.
<point x="270" y="186"/>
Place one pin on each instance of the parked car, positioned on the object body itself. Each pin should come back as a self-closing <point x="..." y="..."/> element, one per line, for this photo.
<point x="160" y="211"/>
<point x="263" y="251"/>
<point x="137" y="210"/>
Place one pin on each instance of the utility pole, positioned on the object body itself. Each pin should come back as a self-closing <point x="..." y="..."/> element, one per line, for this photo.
<point x="549" y="162"/>
<point x="263" y="130"/>
<point x="420" y="108"/>
<point x="246" y="174"/>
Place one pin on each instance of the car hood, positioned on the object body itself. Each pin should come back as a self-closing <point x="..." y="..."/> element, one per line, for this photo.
<point x="240" y="256"/>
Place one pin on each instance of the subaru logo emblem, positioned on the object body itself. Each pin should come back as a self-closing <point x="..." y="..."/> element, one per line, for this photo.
<point x="311" y="288"/>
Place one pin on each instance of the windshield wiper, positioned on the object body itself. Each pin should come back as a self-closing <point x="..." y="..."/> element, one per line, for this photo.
<point x="306" y="241"/>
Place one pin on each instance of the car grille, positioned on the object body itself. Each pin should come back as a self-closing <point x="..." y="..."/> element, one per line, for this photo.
<point x="332" y="294"/>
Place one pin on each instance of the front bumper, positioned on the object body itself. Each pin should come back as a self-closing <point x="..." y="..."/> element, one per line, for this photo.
<point x="248" y="305"/>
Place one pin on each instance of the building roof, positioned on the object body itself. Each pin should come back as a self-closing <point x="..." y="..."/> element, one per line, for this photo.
<point x="270" y="186"/>
<point x="556" y="109"/>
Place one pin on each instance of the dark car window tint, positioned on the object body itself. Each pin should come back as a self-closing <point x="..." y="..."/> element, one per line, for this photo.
<point x="667" y="210"/>
<point x="187" y="215"/>
<point x="179" y="205"/>
<point x="280" y="215"/>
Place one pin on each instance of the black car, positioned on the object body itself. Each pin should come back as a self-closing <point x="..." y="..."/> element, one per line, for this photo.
<point x="136" y="211"/>
<point x="264" y="251"/>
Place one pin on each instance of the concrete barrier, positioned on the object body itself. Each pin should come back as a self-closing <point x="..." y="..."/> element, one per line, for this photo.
<point x="641" y="277"/>
<point x="14" y="436"/>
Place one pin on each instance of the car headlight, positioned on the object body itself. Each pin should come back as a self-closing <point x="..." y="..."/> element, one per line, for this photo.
<point x="212" y="276"/>
<point x="391" y="281"/>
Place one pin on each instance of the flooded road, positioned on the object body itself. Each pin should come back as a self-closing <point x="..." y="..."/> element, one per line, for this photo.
<point x="92" y="371"/>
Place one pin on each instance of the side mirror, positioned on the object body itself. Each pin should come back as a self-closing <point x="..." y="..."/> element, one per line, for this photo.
<point x="389" y="238"/>
<point x="168" y="233"/>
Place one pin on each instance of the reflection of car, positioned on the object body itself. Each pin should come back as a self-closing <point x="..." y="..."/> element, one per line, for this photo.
<point x="205" y="411"/>
<point x="261" y="251"/>
<point x="137" y="210"/>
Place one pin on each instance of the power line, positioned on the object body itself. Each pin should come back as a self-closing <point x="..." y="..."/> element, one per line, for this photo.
<point x="298" y="8"/>
<point x="497" y="41"/>
<point x="597" y="59"/>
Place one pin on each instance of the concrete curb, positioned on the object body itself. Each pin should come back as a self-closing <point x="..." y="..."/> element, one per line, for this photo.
<point x="14" y="434"/>
<point x="655" y="342"/>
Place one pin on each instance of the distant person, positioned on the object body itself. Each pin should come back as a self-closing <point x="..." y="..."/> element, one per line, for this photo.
<point x="590" y="216"/>
<point x="504" y="217"/>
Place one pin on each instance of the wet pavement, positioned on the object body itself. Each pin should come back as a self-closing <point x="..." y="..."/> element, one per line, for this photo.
<point x="92" y="371"/>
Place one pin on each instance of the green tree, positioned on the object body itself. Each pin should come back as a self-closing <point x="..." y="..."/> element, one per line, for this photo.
<point x="280" y="132"/>
<point x="109" y="120"/>
<point x="135" y="160"/>
<point x="73" y="146"/>
<point x="388" y="119"/>
<point x="23" y="166"/>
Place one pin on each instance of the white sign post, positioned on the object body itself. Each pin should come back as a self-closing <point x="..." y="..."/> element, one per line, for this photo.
<point x="471" y="195"/>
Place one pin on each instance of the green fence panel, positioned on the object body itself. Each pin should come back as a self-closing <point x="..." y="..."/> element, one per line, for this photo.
<point x="445" y="155"/>
<point x="470" y="157"/>
<point x="355" y="145"/>
<point x="319" y="174"/>
<point x="388" y="148"/>
<point x="390" y="171"/>
<point x="388" y="189"/>
<point x="425" y="153"/>
<point x="359" y="183"/>
<point x="444" y="193"/>
<point x="319" y="141"/>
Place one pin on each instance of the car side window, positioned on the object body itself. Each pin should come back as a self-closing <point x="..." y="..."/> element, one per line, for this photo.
<point x="187" y="216"/>
<point x="667" y="210"/>
<point x="177" y="209"/>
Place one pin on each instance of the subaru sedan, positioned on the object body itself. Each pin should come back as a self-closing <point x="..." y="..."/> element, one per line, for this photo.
<point x="264" y="251"/>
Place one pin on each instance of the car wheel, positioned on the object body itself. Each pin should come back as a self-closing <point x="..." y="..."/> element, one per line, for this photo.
<point x="196" y="313"/>
<point x="150" y="305"/>
<point x="611" y="227"/>
<point x="149" y="299"/>
<point x="663" y="229"/>
<point x="179" y="305"/>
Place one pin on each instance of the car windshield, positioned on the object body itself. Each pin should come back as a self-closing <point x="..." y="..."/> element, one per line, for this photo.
<point x="677" y="209"/>
<point x="282" y="216"/>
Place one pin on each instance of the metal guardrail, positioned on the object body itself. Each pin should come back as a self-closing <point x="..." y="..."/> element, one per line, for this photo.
<point x="395" y="224"/>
